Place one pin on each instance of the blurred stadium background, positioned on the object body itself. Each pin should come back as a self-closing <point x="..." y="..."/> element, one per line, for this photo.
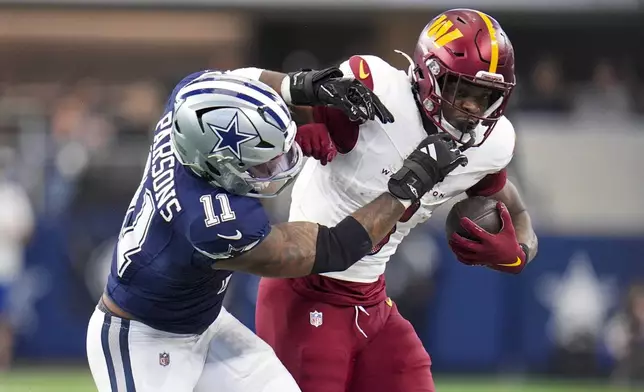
<point x="82" y="84"/>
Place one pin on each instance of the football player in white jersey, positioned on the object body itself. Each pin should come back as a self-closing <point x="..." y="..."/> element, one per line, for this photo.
<point x="339" y="331"/>
<point x="224" y="142"/>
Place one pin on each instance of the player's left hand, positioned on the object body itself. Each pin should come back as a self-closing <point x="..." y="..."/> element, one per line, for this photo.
<point x="355" y="99"/>
<point x="331" y="88"/>
<point x="315" y="142"/>
<point x="500" y="252"/>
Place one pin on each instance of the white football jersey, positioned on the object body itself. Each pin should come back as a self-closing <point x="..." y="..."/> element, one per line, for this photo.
<point x="327" y="194"/>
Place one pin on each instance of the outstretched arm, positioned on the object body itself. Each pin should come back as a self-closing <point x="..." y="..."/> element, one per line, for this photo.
<point x="301" y="248"/>
<point x="291" y="249"/>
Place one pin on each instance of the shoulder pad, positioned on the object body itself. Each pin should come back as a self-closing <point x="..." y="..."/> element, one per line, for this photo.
<point x="370" y="70"/>
<point x="219" y="224"/>
<point x="500" y="144"/>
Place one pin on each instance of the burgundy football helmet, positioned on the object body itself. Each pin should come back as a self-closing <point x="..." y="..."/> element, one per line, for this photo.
<point x="458" y="52"/>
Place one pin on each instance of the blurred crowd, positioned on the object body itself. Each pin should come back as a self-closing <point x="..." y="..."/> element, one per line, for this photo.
<point x="610" y="91"/>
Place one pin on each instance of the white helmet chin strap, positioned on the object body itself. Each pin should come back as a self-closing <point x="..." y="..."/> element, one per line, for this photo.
<point x="493" y="107"/>
<point x="462" y="137"/>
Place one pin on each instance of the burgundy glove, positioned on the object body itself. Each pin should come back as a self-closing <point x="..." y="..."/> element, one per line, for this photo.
<point x="501" y="252"/>
<point x="315" y="141"/>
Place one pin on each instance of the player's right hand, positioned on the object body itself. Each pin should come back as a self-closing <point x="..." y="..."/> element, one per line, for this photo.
<point x="315" y="142"/>
<point x="329" y="87"/>
<point x="433" y="159"/>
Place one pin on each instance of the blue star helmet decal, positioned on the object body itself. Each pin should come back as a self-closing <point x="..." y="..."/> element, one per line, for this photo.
<point x="230" y="137"/>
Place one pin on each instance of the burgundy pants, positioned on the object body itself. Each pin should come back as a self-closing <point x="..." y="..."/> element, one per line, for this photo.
<point x="332" y="348"/>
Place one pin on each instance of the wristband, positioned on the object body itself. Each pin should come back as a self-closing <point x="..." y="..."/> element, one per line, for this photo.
<point x="285" y="90"/>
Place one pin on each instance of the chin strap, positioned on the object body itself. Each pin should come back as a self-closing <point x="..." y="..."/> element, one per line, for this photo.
<point x="470" y="142"/>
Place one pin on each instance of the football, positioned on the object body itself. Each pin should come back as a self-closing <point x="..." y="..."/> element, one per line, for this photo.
<point x="481" y="210"/>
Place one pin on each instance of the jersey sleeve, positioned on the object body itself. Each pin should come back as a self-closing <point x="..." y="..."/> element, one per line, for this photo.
<point x="218" y="224"/>
<point x="360" y="67"/>
<point x="249" y="72"/>
<point x="489" y="185"/>
<point x="499" y="150"/>
<point x="239" y="224"/>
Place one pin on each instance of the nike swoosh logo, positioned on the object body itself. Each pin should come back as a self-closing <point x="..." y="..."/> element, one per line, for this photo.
<point x="362" y="73"/>
<point x="237" y="236"/>
<point x="515" y="264"/>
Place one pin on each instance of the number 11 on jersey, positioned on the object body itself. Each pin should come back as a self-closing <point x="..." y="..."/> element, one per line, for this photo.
<point x="227" y="213"/>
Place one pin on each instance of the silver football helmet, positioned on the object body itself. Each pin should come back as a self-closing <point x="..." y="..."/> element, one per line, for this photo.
<point x="236" y="133"/>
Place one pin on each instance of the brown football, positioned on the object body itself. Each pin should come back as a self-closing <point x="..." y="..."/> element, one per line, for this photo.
<point x="481" y="210"/>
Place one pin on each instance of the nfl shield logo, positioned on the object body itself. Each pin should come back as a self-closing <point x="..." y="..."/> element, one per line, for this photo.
<point x="164" y="359"/>
<point x="315" y="318"/>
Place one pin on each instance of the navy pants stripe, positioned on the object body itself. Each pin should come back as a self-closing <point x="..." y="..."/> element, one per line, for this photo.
<point x="124" y="348"/>
<point x="105" y="342"/>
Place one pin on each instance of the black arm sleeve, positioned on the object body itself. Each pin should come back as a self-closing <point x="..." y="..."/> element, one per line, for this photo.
<point x="341" y="246"/>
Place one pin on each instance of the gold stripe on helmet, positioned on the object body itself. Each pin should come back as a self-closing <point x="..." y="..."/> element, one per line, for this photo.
<point x="494" y="44"/>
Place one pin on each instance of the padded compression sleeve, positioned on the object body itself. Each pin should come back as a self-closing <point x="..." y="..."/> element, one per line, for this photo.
<point x="341" y="246"/>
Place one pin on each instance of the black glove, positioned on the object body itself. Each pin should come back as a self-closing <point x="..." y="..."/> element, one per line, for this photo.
<point x="329" y="87"/>
<point x="427" y="165"/>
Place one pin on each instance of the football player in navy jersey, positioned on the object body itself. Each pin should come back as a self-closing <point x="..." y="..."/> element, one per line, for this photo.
<point x="225" y="141"/>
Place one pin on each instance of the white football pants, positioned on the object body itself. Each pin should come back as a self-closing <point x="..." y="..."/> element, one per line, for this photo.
<point x="129" y="356"/>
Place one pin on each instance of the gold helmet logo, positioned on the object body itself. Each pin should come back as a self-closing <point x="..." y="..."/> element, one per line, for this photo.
<point x="442" y="33"/>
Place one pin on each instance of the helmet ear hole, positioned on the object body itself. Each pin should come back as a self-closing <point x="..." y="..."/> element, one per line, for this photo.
<point x="419" y="73"/>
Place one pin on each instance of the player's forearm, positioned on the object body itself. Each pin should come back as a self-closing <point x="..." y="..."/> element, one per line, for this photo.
<point x="301" y="114"/>
<point x="288" y="252"/>
<point x="308" y="248"/>
<point x="379" y="216"/>
<point x="296" y="249"/>
<point x="273" y="79"/>
<point x="525" y="233"/>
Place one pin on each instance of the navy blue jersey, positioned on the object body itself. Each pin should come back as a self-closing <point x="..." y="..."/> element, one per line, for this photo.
<point x="175" y="228"/>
